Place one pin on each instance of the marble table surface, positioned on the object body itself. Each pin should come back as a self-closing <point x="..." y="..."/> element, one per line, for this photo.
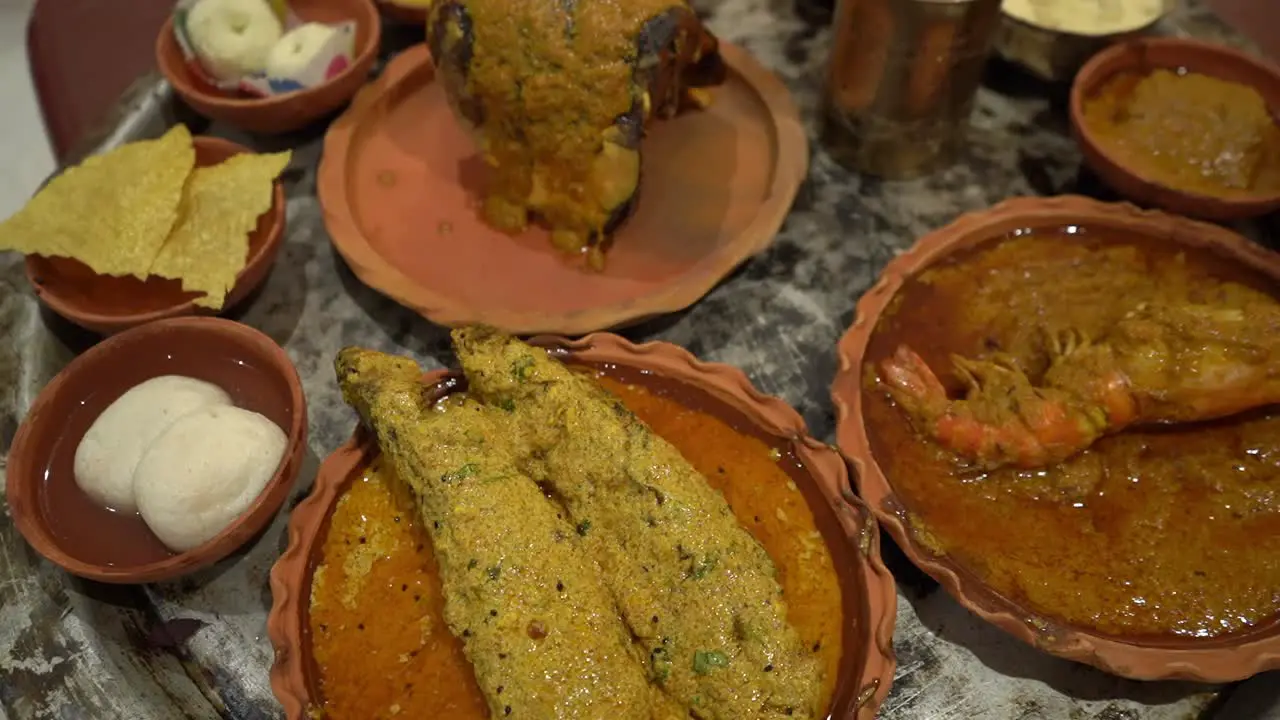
<point x="196" y="648"/>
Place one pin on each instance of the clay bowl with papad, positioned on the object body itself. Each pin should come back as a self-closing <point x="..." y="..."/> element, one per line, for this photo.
<point x="1143" y="56"/>
<point x="847" y="528"/>
<point x="286" y="112"/>
<point x="716" y="186"/>
<point x="1223" y="659"/>
<point x="107" y="305"/>
<point x="68" y="528"/>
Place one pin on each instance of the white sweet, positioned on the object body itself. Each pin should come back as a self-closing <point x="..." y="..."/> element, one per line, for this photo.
<point x="204" y="471"/>
<point x="109" y="452"/>
<point x="232" y="38"/>
<point x="1086" y="17"/>
<point x="292" y="53"/>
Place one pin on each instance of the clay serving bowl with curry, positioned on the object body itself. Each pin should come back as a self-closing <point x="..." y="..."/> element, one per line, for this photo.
<point x="1065" y="412"/>
<point x="1182" y="125"/>
<point x="357" y="619"/>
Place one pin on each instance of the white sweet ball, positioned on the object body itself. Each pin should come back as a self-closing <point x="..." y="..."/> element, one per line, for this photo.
<point x="204" y="471"/>
<point x="293" y="52"/>
<point x="109" y="452"/>
<point x="232" y="38"/>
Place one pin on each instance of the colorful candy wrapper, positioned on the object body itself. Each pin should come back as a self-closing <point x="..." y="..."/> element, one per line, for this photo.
<point x="334" y="57"/>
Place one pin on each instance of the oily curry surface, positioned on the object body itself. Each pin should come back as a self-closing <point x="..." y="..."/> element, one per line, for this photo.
<point x="1191" y="131"/>
<point x="379" y="638"/>
<point x="1155" y="531"/>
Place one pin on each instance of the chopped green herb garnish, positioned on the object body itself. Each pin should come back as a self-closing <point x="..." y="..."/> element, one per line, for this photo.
<point x="461" y="473"/>
<point x="583" y="527"/>
<point x="705" y="660"/>
<point x="494" y="572"/>
<point x="471" y="565"/>
<point x="507" y="404"/>
<point x="702" y="569"/>
<point x="521" y="367"/>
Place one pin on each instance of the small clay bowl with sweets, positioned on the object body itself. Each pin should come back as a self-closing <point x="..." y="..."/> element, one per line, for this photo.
<point x="340" y="653"/>
<point x="288" y="111"/>
<point x="68" y="526"/>
<point x="107" y="304"/>
<point x="1142" y="548"/>
<point x="1178" y="154"/>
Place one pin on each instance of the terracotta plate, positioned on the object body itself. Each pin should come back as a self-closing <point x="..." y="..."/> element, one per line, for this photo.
<point x="870" y="600"/>
<point x="107" y="305"/>
<point x="1221" y="659"/>
<point x="398" y="186"/>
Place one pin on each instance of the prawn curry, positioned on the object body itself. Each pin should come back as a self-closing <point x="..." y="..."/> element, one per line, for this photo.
<point x="477" y="570"/>
<point x="1088" y="423"/>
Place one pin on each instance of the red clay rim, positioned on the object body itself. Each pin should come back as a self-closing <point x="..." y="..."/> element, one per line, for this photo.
<point x="727" y="384"/>
<point x="1219" y="660"/>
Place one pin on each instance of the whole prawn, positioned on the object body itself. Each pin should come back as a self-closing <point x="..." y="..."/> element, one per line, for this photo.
<point x="1160" y="364"/>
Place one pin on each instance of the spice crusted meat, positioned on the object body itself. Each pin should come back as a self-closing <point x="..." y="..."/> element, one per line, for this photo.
<point x="695" y="588"/>
<point x="540" y="629"/>
<point x="558" y="94"/>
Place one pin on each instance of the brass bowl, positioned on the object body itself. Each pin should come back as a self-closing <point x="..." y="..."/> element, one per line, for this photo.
<point x="1055" y="56"/>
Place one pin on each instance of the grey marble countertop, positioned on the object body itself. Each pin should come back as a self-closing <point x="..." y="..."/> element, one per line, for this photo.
<point x="197" y="648"/>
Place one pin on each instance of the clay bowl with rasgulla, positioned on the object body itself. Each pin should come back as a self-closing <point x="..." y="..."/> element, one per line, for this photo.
<point x="62" y="522"/>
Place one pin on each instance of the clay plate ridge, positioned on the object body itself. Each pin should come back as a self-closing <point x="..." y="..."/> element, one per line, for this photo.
<point x="290" y="576"/>
<point x="686" y="279"/>
<point x="1212" y="660"/>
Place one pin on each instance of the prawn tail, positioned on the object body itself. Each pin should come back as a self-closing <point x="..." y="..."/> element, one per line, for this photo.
<point x="913" y="385"/>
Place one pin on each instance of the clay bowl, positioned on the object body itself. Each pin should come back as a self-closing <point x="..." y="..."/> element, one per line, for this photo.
<point x="1224" y="659"/>
<point x="1143" y="56"/>
<point x="820" y="472"/>
<point x="71" y="530"/>
<point x="288" y="111"/>
<point x="108" y="305"/>
<point x="716" y="186"/>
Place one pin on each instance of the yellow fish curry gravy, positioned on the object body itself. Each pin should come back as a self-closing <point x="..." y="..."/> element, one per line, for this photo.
<point x="380" y="642"/>
<point x="1153" y="531"/>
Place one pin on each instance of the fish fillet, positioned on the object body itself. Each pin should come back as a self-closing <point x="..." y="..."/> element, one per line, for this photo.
<point x="539" y="628"/>
<point x="697" y="590"/>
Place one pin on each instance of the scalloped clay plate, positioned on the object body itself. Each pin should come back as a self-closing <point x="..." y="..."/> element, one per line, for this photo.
<point x="108" y="305"/>
<point x="1223" y="659"/>
<point x="398" y="186"/>
<point x="869" y="592"/>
